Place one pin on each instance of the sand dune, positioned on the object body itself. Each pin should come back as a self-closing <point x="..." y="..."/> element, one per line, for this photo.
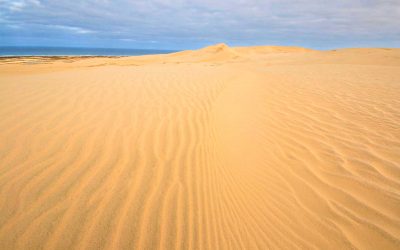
<point x="220" y="148"/>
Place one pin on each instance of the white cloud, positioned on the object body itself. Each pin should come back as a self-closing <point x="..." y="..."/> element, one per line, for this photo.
<point x="16" y="6"/>
<point x="72" y="29"/>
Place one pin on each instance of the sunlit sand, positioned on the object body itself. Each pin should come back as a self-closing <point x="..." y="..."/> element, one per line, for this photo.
<point x="219" y="148"/>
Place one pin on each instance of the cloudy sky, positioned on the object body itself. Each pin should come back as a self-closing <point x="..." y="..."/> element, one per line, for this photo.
<point x="188" y="24"/>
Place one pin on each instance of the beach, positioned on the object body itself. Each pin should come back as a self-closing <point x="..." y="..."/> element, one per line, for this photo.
<point x="262" y="147"/>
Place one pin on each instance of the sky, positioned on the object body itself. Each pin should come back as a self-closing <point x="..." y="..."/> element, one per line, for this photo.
<point x="191" y="24"/>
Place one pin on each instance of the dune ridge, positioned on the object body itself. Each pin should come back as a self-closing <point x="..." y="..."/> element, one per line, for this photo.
<point x="220" y="148"/>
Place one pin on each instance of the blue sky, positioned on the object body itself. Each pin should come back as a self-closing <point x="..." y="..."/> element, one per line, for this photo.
<point x="184" y="24"/>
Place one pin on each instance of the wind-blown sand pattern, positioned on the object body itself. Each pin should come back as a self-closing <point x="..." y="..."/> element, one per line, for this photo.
<point x="220" y="148"/>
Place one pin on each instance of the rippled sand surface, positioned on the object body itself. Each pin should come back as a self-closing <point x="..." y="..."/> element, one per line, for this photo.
<point x="220" y="148"/>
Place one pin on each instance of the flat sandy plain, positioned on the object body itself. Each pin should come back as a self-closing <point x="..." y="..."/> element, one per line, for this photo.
<point x="219" y="148"/>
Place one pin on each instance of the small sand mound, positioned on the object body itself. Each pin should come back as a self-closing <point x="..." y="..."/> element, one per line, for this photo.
<point x="216" y="48"/>
<point x="216" y="53"/>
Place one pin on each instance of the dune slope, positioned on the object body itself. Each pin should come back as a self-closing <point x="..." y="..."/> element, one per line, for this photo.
<point x="221" y="148"/>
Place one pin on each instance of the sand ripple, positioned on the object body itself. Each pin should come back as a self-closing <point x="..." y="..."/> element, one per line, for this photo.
<point x="247" y="154"/>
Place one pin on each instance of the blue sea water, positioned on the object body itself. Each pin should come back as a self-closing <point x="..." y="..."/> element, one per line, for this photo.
<point x="61" y="51"/>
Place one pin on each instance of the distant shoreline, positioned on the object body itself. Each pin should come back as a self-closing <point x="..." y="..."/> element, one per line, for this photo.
<point x="61" y="56"/>
<point x="17" y="51"/>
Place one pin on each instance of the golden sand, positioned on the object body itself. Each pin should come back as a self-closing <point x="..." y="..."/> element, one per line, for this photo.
<point x="220" y="148"/>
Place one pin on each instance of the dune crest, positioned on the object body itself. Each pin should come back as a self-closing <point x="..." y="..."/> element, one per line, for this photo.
<point x="219" y="148"/>
<point x="271" y="49"/>
<point x="215" y="48"/>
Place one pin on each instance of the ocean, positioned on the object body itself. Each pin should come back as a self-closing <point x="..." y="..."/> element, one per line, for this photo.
<point x="62" y="51"/>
